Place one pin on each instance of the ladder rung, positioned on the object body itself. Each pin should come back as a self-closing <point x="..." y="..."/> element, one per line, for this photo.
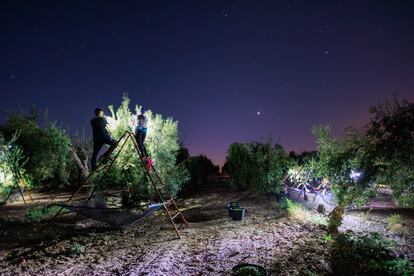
<point x="168" y="202"/>
<point x="79" y="198"/>
<point x="176" y="215"/>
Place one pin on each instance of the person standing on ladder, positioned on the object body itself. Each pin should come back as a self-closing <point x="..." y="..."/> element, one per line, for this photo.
<point x="141" y="134"/>
<point x="101" y="136"/>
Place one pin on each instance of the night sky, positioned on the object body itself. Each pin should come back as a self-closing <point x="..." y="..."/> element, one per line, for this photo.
<point x="229" y="71"/>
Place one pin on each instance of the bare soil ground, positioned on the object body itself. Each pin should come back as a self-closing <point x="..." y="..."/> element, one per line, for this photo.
<point x="212" y="245"/>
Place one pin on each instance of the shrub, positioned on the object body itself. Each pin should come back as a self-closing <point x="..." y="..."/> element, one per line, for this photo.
<point x="366" y="255"/>
<point x="395" y="223"/>
<point x="300" y="214"/>
<point x="46" y="146"/>
<point x="247" y="271"/>
<point x="294" y="210"/>
<point x="239" y="166"/>
<point x="257" y="167"/>
<point x="399" y="267"/>
<point x="11" y="161"/>
<point x="199" y="168"/>
<point x="76" y="248"/>
<point x="40" y="213"/>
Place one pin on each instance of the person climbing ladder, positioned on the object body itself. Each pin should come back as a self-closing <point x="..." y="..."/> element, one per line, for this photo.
<point x="101" y="136"/>
<point x="141" y="134"/>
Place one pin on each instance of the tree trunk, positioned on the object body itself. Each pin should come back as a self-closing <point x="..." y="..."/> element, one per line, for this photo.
<point x="335" y="219"/>
<point x="83" y="166"/>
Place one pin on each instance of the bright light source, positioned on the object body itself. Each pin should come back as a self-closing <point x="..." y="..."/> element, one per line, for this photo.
<point x="258" y="113"/>
<point x="354" y="175"/>
<point x="112" y="123"/>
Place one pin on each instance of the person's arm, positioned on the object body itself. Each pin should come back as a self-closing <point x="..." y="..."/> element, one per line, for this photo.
<point x="134" y="123"/>
<point x="106" y="125"/>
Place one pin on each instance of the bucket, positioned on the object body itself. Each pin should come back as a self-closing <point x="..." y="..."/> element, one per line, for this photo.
<point x="249" y="269"/>
<point x="237" y="213"/>
<point x="234" y="204"/>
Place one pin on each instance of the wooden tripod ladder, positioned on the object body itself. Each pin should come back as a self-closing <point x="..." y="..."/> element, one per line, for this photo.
<point x="169" y="204"/>
<point x="23" y="184"/>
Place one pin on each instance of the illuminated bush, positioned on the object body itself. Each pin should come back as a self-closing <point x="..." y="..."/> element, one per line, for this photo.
<point x="162" y="143"/>
<point x="294" y="210"/>
<point x="304" y="173"/>
<point x="11" y="161"/>
<point x="6" y="176"/>
<point x="46" y="146"/>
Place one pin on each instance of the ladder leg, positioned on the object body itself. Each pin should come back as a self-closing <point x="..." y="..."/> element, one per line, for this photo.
<point x="155" y="186"/>
<point x="172" y="222"/>
<point x="30" y="194"/>
<point x="21" y="194"/>
<point x="170" y="196"/>
<point x="91" y="174"/>
<point x="23" y="181"/>
<point x="158" y="192"/>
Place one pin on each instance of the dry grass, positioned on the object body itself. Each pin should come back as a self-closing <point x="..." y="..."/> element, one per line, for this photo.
<point x="300" y="214"/>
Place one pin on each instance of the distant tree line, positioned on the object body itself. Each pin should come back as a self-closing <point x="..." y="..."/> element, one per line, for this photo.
<point x="382" y="151"/>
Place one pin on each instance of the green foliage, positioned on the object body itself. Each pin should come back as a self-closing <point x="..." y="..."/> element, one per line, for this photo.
<point x="76" y="248"/>
<point x="305" y="173"/>
<point x="390" y="158"/>
<point x="247" y="271"/>
<point x="395" y="223"/>
<point x="337" y="160"/>
<point x="40" y="213"/>
<point x="199" y="168"/>
<point x="398" y="266"/>
<point x="46" y="146"/>
<point x="162" y="144"/>
<point x="11" y="162"/>
<point x="335" y="219"/>
<point x="307" y="272"/>
<point x="257" y="167"/>
<point x="367" y="255"/>
<point x="299" y="213"/>
<point x="328" y="237"/>
<point x="303" y="157"/>
<point x="383" y="151"/>
<point x="239" y="166"/>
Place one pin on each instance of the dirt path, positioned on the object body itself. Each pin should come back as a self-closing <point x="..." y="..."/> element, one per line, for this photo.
<point x="211" y="246"/>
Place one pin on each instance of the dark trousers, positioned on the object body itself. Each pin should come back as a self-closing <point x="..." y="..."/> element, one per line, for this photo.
<point x="140" y="138"/>
<point x="97" y="145"/>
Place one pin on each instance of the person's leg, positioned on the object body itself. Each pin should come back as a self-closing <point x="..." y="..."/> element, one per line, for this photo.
<point x="112" y="145"/>
<point x="140" y="138"/>
<point x="144" y="148"/>
<point x="96" y="148"/>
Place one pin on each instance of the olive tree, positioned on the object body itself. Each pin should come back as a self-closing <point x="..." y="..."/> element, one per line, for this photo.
<point x="46" y="146"/>
<point x="12" y="160"/>
<point x="162" y="143"/>
<point x="257" y="166"/>
<point x="382" y="151"/>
